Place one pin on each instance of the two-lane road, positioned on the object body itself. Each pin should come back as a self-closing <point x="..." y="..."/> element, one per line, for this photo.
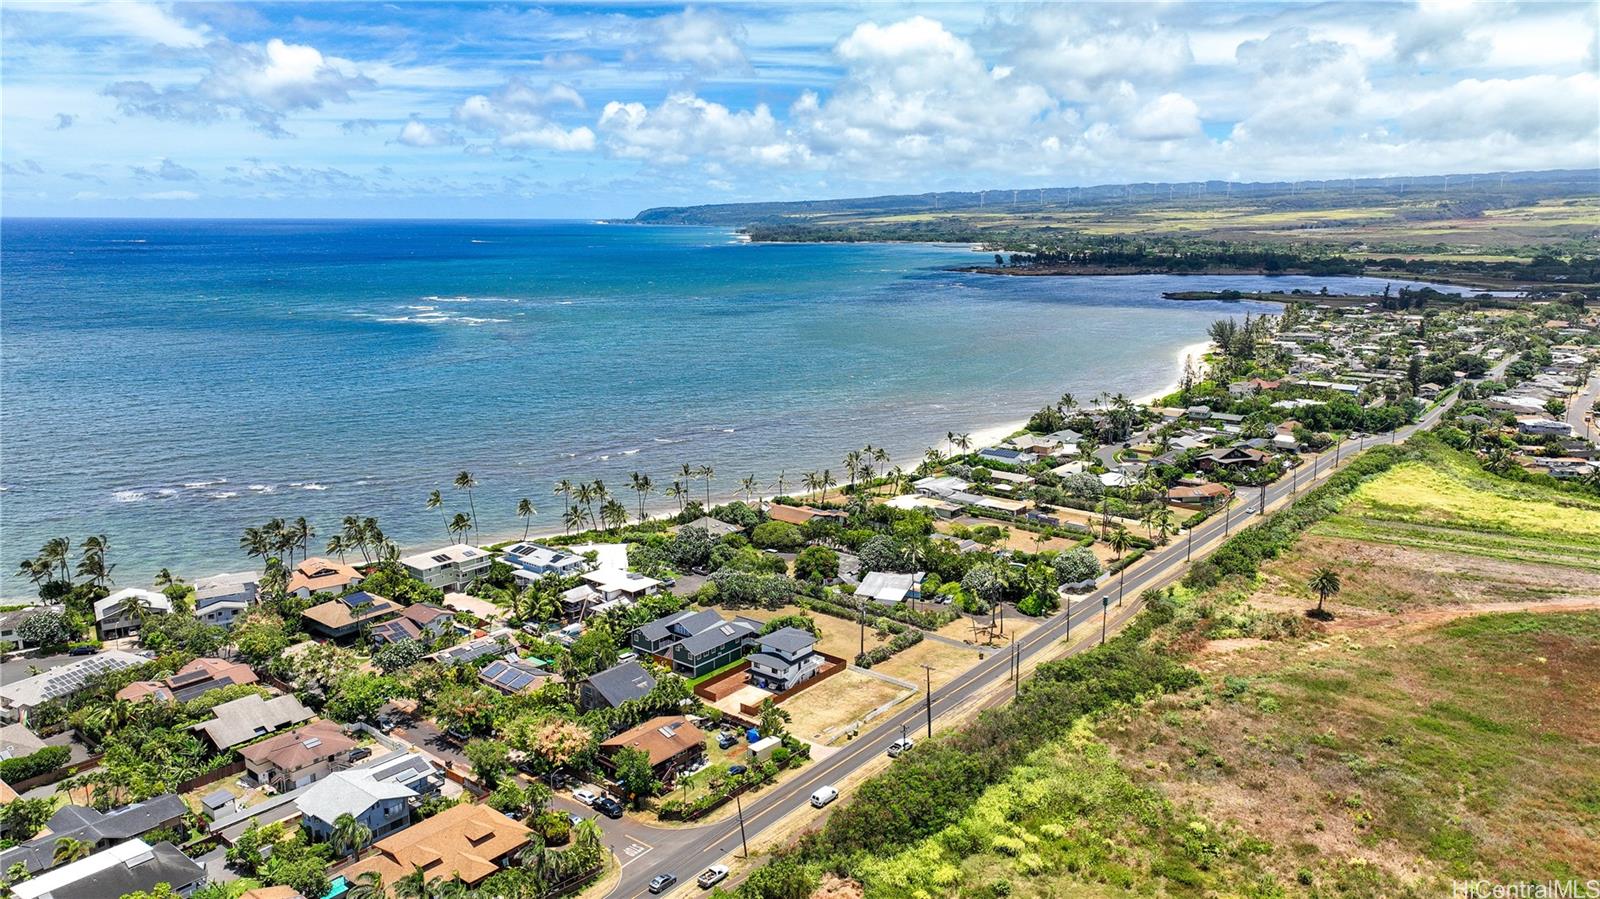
<point x="687" y="851"/>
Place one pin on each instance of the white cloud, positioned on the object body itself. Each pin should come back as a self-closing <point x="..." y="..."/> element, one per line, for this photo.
<point x="1536" y="108"/>
<point x="166" y="171"/>
<point x="149" y="22"/>
<point x="416" y="133"/>
<point x="259" y="83"/>
<point x="518" y="116"/>
<point x="704" y="39"/>
<point x="1168" y="117"/>
<point x="684" y="127"/>
<point x="170" y="195"/>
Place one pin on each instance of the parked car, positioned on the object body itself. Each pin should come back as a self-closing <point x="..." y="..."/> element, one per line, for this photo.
<point x="669" y="582"/>
<point x="900" y="747"/>
<point x="575" y="820"/>
<point x="585" y="795"/>
<point x="726" y="739"/>
<point x="737" y="769"/>
<point x="359" y="753"/>
<point x="662" y="882"/>
<point x="609" y="807"/>
<point x="823" y="796"/>
<point x="712" y="876"/>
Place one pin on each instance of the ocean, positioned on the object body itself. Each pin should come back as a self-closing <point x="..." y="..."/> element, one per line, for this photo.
<point x="167" y="383"/>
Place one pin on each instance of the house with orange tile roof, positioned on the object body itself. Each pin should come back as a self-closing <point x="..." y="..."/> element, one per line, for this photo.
<point x="466" y="841"/>
<point x="316" y="575"/>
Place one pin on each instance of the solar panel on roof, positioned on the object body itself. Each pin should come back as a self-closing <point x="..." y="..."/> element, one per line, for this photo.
<point x="184" y="680"/>
<point x="312" y="743"/>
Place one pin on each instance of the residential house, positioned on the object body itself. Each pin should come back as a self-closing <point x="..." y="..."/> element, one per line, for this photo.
<point x="242" y="720"/>
<point x="1230" y="457"/>
<point x="449" y="567"/>
<point x="941" y="487"/>
<point x="131" y="867"/>
<point x="115" y="616"/>
<point x="695" y="642"/>
<point x="713" y="526"/>
<point x="10" y="621"/>
<point x="671" y="742"/>
<point x="316" y="575"/>
<point x="1543" y="427"/>
<point x="494" y="643"/>
<point x="415" y="622"/>
<point x="614" y="686"/>
<point x="1204" y="494"/>
<point x="197" y="678"/>
<point x="467" y="841"/>
<point x="221" y="598"/>
<point x="16" y="741"/>
<point x="411" y="770"/>
<point x="1006" y="456"/>
<point x="890" y="587"/>
<point x="539" y="560"/>
<point x="343" y="618"/>
<point x="513" y="675"/>
<point x="100" y="830"/>
<point x="615" y="584"/>
<point x="801" y="514"/>
<point x="787" y="658"/>
<point x="298" y="757"/>
<point x="382" y="806"/>
<point x="20" y="697"/>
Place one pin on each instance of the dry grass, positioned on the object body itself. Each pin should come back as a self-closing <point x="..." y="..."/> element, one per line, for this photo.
<point x="839" y="637"/>
<point x="947" y="662"/>
<point x="822" y="713"/>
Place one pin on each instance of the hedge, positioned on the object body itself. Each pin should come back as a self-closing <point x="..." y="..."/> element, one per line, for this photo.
<point x="42" y="762"/>
<point x="901" y="642"/>
<point x="900" y="613"/>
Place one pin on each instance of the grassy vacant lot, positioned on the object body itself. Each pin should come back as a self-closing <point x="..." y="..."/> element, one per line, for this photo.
<point x="1450" y="505"/>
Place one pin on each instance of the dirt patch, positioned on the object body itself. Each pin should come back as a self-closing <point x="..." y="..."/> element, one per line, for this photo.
<point x="946" y="661"/>
<point x="822" y="713"/>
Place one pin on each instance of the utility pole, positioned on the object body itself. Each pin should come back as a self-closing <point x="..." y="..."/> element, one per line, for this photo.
<point x="1016" y="667"/>
<point x="1105" y="605"/>
<point x="1069" y="617"/>
<point x="740" y="806"/>
<point x="863" y="606"/>
<point x="927" y="678"/>
<point x="1263" y="509"/>
<point x="1188" y="551"/>
<point x="1120" y="573"/>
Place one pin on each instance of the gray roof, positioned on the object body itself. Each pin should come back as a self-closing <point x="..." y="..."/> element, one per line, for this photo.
<point x="92" y="826"/>
<point x="217" y="800"/>
<point x="679" y="624"/>
<point x="717" y="634"/>
<point x="769" y="660"/>
<point x="714" y="527"/>
<point x="621" y="683"/>
<point x="348" y="792"/>
<point x="130" y="867"/>
<point x="16" y="741"/>
<point x="251" y="716"/>
<point x="407" y="769"/>
<point x="789" y="640"/>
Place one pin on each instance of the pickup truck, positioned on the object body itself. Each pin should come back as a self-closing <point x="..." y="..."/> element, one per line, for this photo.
<point x="712" y="876"/>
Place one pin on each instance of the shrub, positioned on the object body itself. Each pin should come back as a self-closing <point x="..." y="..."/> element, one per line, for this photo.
<point x="1077" y="564"/>
<point x="778" y="535"/>
<point x="816" y="563"/>
<point x="42" y="762"/>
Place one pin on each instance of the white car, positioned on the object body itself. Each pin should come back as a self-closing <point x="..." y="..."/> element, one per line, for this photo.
<point x="900" y="747"/>
<point x="712" y="876"/>
<point x="585" y="795"/>
<point x="823" y="796"/>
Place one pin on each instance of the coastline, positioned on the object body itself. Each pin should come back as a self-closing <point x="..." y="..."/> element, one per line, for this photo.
<point x="982" y="436"/>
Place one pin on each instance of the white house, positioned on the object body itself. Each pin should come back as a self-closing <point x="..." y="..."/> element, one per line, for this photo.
<point x="787" y="658"/>
<point x="111" y="615"/>
<point x="889" y="587"/>
<point x="537" y="559"/>
<point x="612" y="584"/>
<point x="221" y="598"/>
<point x="19" y="697"/>
<point x="449" y="567"/>
<point x="1544" y="427"/>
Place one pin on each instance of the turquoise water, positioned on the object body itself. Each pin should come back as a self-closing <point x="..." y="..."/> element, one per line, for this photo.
<point x="169" y="382"/>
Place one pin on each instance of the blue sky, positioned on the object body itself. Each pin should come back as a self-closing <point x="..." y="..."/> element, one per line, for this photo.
<point x="509" y="110"/>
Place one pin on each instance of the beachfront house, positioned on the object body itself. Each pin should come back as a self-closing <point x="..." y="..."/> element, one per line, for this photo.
<point x="316" y="575"/>
<point x="450" y="567"/>
<point x="120" y="614"/>
<point x="615" y="584"/>
<point x="787" y="657"/>
<point x="222" y="598"/>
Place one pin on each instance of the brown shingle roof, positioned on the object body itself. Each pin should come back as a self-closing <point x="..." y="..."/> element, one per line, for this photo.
<point x="462" y="840"/>
<point x="321" y="574"/>
<point x="661" y="738"/>
<point x="290" y="752"/>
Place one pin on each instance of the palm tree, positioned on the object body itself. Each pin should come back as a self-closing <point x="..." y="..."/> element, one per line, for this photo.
<point x="465" y="481"/>
<point x="413" y="885"/>
<point x="436" y="501"/>
<point x="932" y="457"/>
<point x="572" y="518"/>
<point x="165" y="578"/>
<point x="706" y="473"/>
<point x="525" y="512"/>
<point x="350" y="835"/>
<point x="749" y="488"/>
<point x="337" y="547"/>
<point x="69" y="850"/>
<point x="1325" y="583"/>
<point x="825" y="482"/>
<point x="614" y="514"/>
<point x="459" y="525"/>
<point x="778" y="484"/>
<point x="57" y="553"/>
<point x="563" y="489"/>
<point x="677" y="491"/>
<point x="1119" y="540"/>
<point x="1165" y="522"/>
<point x="92" y="562"/>
<point x="1066" y="403"/>
<point x="355" y="535"/>
<point x="586" y="495"/>
<point x="304" y="531"/>
<point x="368" y="885"/>
<point x="643" y="486"/>
<point x="961" y="442"/>
<point x="852" y="464"/>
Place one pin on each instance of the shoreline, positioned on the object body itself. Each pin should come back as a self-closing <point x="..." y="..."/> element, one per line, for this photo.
<point x="980" y="437"/>
<point x="1047" y="271"/>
